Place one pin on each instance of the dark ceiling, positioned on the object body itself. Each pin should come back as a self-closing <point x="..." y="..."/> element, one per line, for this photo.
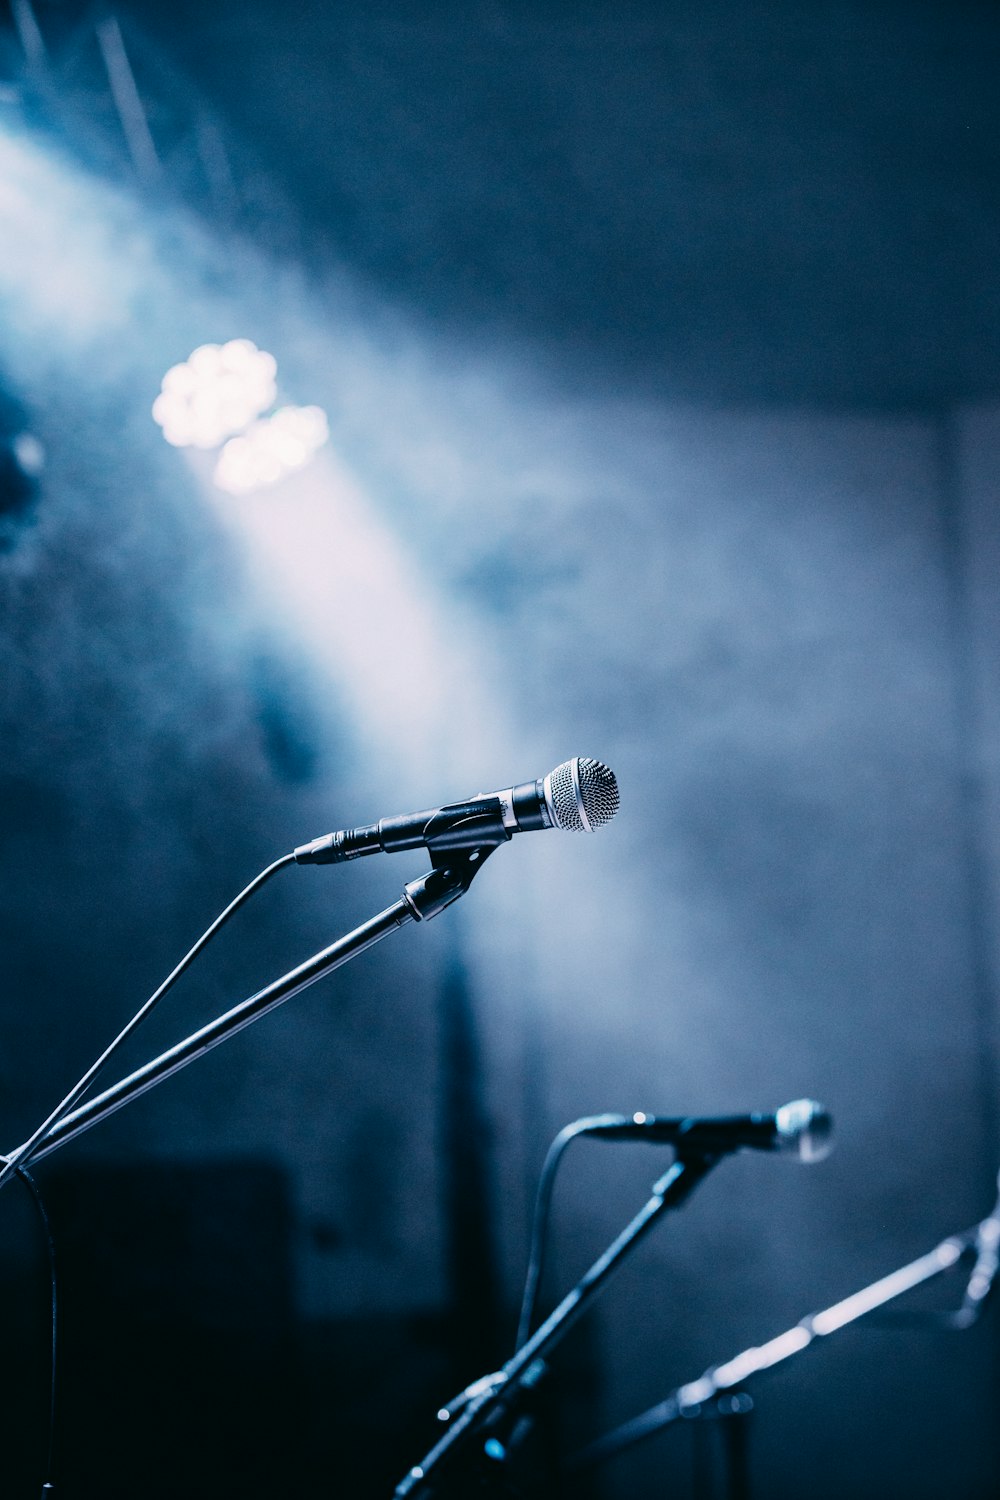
<point x="791" y="201"/>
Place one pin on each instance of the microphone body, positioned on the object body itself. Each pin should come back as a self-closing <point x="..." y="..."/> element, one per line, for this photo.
<point x="802" y="1128"/>
<point x="579" y="796"/>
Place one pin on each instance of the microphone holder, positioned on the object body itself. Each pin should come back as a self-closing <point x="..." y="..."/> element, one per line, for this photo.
<point x="453" y="872"/>
<point x="489" y="1398"/>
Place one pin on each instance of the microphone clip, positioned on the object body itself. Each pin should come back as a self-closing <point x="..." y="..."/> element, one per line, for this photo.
<point x="460" y="839"/>
<point x="466" y="827"/>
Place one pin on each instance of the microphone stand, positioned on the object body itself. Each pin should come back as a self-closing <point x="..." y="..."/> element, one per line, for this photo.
<point x="702" y="1397"/>
<point x="488" y="1399"/>
<point x="455" y="865"/>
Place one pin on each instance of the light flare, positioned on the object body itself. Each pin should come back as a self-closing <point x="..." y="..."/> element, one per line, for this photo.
<point x="216" y="392"/>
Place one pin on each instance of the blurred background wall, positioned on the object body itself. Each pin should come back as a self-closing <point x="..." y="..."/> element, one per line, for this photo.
<point x="658" y="347"/>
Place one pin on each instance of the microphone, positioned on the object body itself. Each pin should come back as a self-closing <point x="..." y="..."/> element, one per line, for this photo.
<point x="580" y="796"/>
<point x="802" y="1128"/>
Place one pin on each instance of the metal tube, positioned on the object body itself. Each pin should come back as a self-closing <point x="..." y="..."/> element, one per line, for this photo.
<point x="224" y="1026"/>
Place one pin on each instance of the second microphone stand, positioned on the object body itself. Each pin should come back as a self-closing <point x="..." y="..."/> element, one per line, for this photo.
<point x="491" y="1397"/>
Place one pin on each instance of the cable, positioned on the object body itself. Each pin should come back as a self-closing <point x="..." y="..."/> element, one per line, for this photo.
<point x="23" y="1154"/>
<point x="540" y="1222"/>
<point x="536" y="1259"/>
<point x="48" y="1486"/>
<point x="15" y="1164"/>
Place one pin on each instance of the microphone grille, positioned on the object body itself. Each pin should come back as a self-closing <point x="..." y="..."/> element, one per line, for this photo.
<point x="582" y="794"/>
<point x="805" y="1128"/>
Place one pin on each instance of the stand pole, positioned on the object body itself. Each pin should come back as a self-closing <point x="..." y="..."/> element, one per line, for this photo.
<point x="224" y="1026"/>
<point x="527" y="1364"/>
<point x="687" y="1400"/>
<point x="422" y="899"/>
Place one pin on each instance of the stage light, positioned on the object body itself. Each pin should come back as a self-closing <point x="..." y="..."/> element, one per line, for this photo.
<point x="216" y="392"/>
<point x="22" y="460"/>
<point x="327" y="565"/>
<point x="271" y="448"/>
<point x="29" y="453"/>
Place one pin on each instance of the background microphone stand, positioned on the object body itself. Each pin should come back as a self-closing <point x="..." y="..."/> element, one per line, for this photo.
<point x="722" y="1383"/>
<point x="489" y="1399"/>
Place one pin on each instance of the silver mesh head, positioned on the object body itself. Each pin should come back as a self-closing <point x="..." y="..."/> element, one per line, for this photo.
<point x="805" y="1128"/>
<point x="581" y="794"/>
